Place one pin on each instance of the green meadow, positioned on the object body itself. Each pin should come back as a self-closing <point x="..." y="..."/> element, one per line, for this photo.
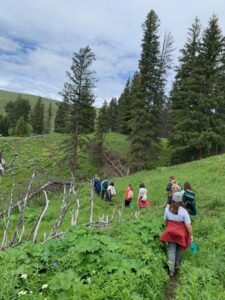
<point x="124" y="260"/>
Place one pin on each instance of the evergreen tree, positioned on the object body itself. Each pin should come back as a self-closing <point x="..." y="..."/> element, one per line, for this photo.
<point x="185" y="114"/>
<point x="19" y="108"/>
<point x="78" y="92"/>
<point x="102" y="127"/>
<point x="103" y="119"/>
<point x="141" y="134"/>
<point x="21" y="127"/>
<point x="4" y="125"/>
<point x="113" y="115"/>
<point x="48" y="121"/>
<point x="147" y="102"/>
<point x="213" y="97"/>
<point x="37" y="117"/>
<point x="196" y="96"/>
<point x="124" y="109"/>
<point x="62" y="117"/>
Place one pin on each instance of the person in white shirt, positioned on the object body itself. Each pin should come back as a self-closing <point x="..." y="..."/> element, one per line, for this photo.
<point x="111" y="192"/>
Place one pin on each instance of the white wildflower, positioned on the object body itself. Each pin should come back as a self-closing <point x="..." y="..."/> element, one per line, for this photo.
<point x="24" y="276"/>
<point x="89" y="280"/>
<point x="22" y="293"/>
<point x="44" y="286"/>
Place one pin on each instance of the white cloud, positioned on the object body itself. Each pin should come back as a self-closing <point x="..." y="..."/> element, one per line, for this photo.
<point x="38" y="38"/>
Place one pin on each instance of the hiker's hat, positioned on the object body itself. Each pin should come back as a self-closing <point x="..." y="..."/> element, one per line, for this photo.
<point x="178" y="197"/>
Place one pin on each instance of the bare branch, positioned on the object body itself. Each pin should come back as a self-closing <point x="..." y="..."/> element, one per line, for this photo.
<point x="7" y="221"/>
<point x="91" y="205"/>
<point x="41" y="216"/>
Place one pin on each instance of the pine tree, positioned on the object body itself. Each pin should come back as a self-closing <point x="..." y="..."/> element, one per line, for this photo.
<point x="185" y="114"/>
<point x="148" y="99"/>
<point x="21" y="127"/>
<point x="103" y="124"/>
<point x="19" y="108"/>
<point x="113" y="115"/>
<point x="196" y="96"/>
<point x="37" y="117"/>
<point x="48" y="121"/>
<point x="62" y="117"/>
<point x="141" y="134"/>
<point x="124" y="109"/>
<point x="212" y="52"/>
<point x="4" y="125"/>
<point x="78" y="92"/>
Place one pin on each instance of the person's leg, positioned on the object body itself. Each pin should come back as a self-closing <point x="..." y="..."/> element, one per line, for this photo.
<point x="171" y="253"/>
<point x="178" y="256"/>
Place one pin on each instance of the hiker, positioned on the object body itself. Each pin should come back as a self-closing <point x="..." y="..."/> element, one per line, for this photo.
<point x="2" y="163"/>
<point x="189" y="199"/>
<point x="175" y="187"/>
<point x="178" y="232"/>
<point x="97" y="185"/>
<point x="169" y="189"/>
<point x="111" y="191"/>
<point x="128" y="195"/>
<point x="143" y="196"/>
<point x="104" y="186"/>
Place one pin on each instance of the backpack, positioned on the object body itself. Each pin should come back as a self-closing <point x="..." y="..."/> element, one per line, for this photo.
<point x="189" y="202"/>
<point x="105" y="184"/>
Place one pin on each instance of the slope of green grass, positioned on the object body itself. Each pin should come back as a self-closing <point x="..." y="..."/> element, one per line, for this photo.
<point x="40" y="154"/>
<point x="6" y="96"/>
<point x="133" y="243"/>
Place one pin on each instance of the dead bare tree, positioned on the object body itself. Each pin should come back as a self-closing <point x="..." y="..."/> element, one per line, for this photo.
<point x="22" y="209"/>
<point x="7" y="221"/>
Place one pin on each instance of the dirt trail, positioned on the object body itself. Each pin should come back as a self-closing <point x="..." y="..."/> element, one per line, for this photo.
<point x="171" y="288"/>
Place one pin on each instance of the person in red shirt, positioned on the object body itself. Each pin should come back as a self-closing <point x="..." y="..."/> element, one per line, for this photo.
<point x="128" y="195"/>
<point x="178" y="231"/>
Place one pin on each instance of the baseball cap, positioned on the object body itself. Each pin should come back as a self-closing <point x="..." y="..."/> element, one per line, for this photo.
<point x="178" y="197"/>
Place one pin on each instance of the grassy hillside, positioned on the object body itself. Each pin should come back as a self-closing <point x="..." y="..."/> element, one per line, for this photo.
<point x="6" y="96"/>
<point x="43" y="155"/>
<point x="124" y="261"/>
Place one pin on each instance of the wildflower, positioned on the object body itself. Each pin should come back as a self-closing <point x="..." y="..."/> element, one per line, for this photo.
<point x="89" y="280"/>
<point x="22" y="293"/>
<point x="44" y="286"/>
<point x="24" y="276"/>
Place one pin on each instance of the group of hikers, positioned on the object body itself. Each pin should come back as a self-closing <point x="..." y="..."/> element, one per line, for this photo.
<point x="107" y="191"/>
<point x="179" y="206"/>
<point x="103" y="188"/>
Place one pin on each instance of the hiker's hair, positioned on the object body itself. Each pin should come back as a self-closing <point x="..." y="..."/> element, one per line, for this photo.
<point x="171" y="178"/>
<point x="174" y="207"/>
<point x="142" y="185"/>
<point x="187" y="186"/>
<point x="130" y="186"/>
<point x="112" y="183"/>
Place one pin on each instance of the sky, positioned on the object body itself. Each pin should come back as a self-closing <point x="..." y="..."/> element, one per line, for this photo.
<point x="38" y="39"/>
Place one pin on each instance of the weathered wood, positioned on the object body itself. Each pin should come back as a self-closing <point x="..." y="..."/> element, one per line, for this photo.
<point x="52" y="185"/>
<point x="40" y="217"/>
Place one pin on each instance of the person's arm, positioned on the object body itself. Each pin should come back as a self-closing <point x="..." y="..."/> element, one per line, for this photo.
<point x="189" y="229"/>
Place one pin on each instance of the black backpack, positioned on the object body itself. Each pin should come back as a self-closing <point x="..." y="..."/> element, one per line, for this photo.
<point x="105" y="184"/>
<point x="189" y="202"/>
